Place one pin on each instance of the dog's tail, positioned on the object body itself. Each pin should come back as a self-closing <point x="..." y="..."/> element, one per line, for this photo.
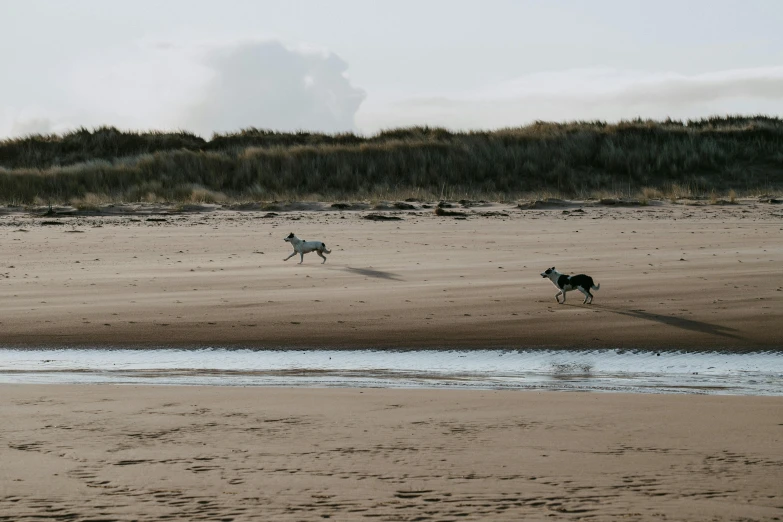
<point x="326" y="251"/>
<point x="596" y="287"/>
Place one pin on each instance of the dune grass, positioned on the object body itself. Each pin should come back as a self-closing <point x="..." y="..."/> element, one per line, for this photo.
<point x="640" y="158"/>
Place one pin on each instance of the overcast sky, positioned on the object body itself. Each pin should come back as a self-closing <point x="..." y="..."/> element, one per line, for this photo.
<point x="363" y="65"/>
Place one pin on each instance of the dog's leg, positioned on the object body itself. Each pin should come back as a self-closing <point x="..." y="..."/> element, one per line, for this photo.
<point x="557" y="295"/>
<point x="564" y="294"/>
<point x="322" y="255"/>
<point x="587" y="295"/>
<point x="289" y="257"/>
<point x="301" y="257"/>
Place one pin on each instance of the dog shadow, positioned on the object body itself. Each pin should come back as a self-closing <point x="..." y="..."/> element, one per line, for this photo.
<point x="378" y="274"/>
<point x="677" y="322"/>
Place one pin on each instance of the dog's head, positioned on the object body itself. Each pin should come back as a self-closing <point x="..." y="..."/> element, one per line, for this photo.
<point x="550" y="273"/>
<point x="289" y="237"/>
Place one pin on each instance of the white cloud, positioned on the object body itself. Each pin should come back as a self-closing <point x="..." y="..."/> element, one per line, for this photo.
<point x="227" y="85"/>
<point x="604" y="94"/>
<point x="198" y="87"/>
<point x="265" y="84"/>
<point x="25" y="126"/>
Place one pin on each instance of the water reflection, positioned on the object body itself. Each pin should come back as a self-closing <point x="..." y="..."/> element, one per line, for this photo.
<point x="759" y="373"/>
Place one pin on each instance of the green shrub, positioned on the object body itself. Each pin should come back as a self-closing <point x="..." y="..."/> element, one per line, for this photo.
<point x="660" y="159"/>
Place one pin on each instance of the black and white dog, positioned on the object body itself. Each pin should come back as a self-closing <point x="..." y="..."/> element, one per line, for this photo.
<point x="565" y="283"/>
<point x="303" y="247"/>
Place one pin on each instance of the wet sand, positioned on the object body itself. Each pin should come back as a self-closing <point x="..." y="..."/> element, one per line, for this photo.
<point x="221" y="453"/>
<point x="673" y="276"/>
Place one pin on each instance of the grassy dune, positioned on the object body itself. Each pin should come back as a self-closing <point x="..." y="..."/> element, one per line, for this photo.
<point x="578" y="159"/>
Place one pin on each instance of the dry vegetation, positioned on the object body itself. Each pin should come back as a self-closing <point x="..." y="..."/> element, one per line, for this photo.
<point x="645" y="159"/>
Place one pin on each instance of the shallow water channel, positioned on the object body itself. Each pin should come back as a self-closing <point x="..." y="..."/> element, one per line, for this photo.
<point x="757" y="373"/>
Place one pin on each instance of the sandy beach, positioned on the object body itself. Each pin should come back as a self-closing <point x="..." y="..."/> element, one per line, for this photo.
<point x="673" y="276"/>
<point x="681" y="277"/>
<point x="223" y="453"/>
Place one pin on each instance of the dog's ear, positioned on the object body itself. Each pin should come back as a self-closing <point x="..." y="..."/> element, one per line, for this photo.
<point x="553" y="268"/>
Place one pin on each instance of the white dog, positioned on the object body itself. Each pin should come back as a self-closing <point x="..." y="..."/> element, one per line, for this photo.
<point x="303" y="247"/>
<point x="566" y="283"/>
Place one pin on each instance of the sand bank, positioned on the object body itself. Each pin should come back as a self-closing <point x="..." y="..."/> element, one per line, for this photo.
<point x="672" y="276"/>
<point x="220" y="453"/>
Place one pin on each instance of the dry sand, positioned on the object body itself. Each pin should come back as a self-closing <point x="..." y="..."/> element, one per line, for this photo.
<point x="200" y="453"/>
<point x="672" y="276"/>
